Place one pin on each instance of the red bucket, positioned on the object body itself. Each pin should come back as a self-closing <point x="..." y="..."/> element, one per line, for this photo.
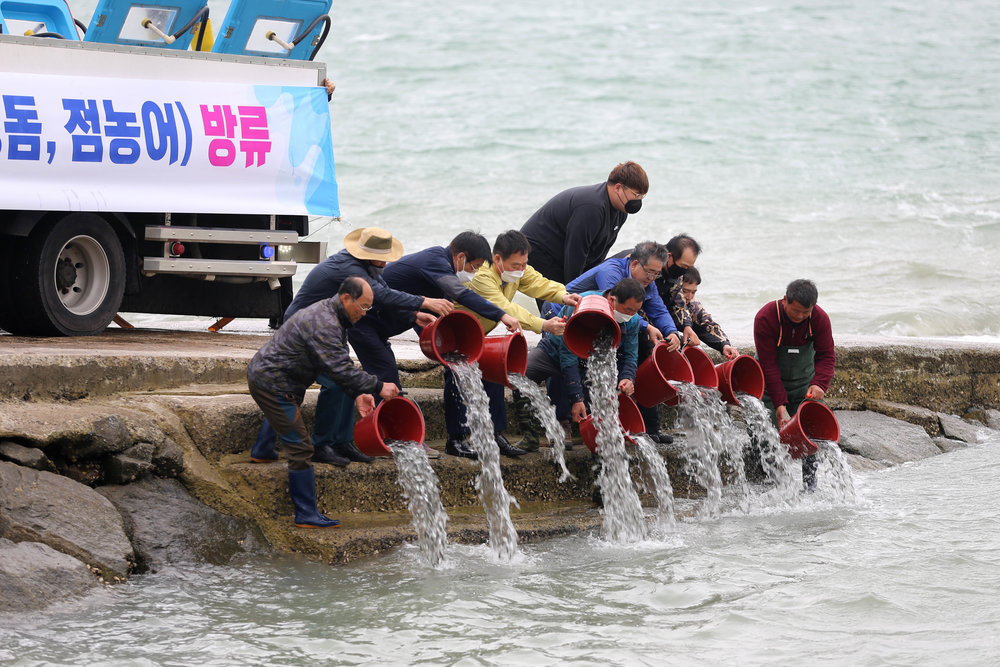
<point x="592" y="316"/>
<point x="629" y="418"/>
<point x="503" y="355"/>
<point x="457" y="332"/>
<point x="702" y="367"/>
<point x="398" y="418"/>
<point x="742" y="374"/>
<point x="812" y="421"/>
<point x="651" y="380"/>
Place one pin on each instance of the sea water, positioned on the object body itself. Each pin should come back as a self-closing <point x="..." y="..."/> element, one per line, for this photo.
<point x="622" y="509"/>
<point x="907" y="575"/>
<point x="546" y="414"/>
<point x="423" y="498"/>
<point x="854" y="143"/>
<point x="656" y="481"/>
<point x="489" y="482"/>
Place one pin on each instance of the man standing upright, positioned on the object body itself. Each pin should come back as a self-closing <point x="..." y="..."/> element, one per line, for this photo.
<point x="794" y="342"/>
<point x="574" y="230"/>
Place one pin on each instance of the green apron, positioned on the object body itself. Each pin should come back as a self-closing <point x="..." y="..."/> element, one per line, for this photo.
<point x="797" y="367"/>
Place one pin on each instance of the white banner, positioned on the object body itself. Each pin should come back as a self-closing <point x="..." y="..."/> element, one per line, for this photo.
<point x="110" y="144"/>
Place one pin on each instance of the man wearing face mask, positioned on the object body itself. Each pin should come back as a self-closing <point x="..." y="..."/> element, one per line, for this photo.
<point x="366" y="253"/>
<point x="445" y="273"/>
<point x="682" y="252"/>
<point x="574" y="230"/>
<point x="498" y="281"/>
<point x="551" y="357"/>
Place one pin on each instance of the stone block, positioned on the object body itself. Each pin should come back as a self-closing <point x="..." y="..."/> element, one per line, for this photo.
<point x="34" y="575"/>
<point x="926" y="419"/>
<point x="948" y="445"/>
<point x="883" y="439"/>
<point x="29" y="457"/>
<point x="958" y="429"/>
<point x="64" y="514"/>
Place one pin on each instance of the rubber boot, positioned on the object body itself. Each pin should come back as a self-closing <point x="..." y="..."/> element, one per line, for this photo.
<point x="531" y="430"/>
<point x="263" y="450"/>
<point x="302" y="488"/>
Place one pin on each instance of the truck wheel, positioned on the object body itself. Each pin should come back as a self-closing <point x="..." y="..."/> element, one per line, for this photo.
<point x="75" y="277"/>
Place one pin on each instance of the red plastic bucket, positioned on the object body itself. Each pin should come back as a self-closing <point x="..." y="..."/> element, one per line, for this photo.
<point x="742" y="374"/>
<point x="651" y="380"/>
<point x="503" y="355"/>
<point x="592" y="316"/>
<point x="398" y="418"/>
<point x="812" y="421"/>
<point x="457" y="332"/>
<point x="629" y="418"/>
<point x="702" y="367"/>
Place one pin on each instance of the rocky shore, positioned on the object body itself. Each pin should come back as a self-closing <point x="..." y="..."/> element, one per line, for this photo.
<point x="129" y="451"/>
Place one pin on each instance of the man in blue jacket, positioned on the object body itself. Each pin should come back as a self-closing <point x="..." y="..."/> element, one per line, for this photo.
<point x="366" y="253"/>
<point x="552" y="358"/>
<point x="442" y="272"/>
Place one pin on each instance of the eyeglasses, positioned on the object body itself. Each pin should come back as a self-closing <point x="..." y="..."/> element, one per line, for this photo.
<point x="365" y="309"/>
<point x="652" y="275"/>
<point x="637" y="195"/>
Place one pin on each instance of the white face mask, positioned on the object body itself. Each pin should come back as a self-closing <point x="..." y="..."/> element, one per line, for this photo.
<point x="465" y="276"/>
<point x="622" y="318"/>
<point x="510" y="276"/>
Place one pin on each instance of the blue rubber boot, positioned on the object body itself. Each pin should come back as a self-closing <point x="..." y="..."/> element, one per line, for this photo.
<point x="263" y="450"/>
<point x="302" y="488"/>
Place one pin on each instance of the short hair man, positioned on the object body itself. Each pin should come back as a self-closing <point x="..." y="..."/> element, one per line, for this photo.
<point x="574" y="230"/>
<point x="682" y="253"/>
<point x="311" y="343"/>
<point x="705" y="327"/>
<point x="366" y="252"/>
<point x="444" y="272"/>
<point x="498" y="281"/>
<point x="795" y="349"/>
<point x="552" y="358"/>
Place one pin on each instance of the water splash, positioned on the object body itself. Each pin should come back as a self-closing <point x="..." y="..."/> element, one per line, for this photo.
<point x="489" y="482"/>
<point x="833" y="473"/>
<point x="623" y="518"/>
<point x="659" y="482"/>
<point x="776" y="462"/>
<point x="546" y="413"/>
<point x="713" y="443"/>
<point x="423" y="498"/>
<point x="700" y="448"/>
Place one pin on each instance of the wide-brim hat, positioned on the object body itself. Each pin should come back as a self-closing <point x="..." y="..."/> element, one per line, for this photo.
<point x="373" y="243"/>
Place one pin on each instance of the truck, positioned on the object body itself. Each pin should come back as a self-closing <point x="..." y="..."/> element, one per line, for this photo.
<point x="151" y="180"/>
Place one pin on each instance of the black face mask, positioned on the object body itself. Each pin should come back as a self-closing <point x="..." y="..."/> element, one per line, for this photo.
<point x="633" y="206"/>
<point x="676" y="271"/>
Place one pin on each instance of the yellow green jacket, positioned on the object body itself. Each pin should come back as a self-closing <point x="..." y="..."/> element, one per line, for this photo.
<point x="487" y="284"/>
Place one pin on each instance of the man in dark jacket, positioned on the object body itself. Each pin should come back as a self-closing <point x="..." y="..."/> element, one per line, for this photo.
<point x="366" y="253"/>
<point x="312" y="342"/>
<point x="444" y="272"/>
<point x="574" y="230"/>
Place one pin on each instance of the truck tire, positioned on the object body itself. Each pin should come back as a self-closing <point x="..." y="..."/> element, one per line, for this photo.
<point x="72" y="277"/>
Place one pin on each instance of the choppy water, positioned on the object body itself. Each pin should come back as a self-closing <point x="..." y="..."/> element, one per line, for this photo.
<point x="906" y="575"/>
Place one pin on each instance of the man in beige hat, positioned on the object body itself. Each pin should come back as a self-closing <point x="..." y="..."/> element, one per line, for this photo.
<point x="365" y="254"/>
